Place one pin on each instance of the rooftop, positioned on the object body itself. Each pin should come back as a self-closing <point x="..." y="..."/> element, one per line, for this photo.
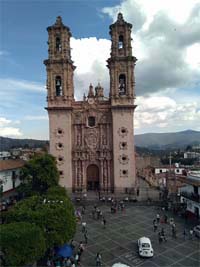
<point x="10" y="164"/>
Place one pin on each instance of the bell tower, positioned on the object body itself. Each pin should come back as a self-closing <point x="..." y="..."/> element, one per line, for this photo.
<point x="60" y="98"/>
<point x="59" y="66"/>
<point x="121" y="68"/>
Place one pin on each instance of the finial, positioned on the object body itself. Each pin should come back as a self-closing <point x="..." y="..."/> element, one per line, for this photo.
<point x="90" y="92"/>
<point x="120" y="16"/>
<point x="59" y="20"/>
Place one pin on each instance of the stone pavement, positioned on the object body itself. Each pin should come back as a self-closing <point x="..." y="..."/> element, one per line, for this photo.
<point x="118" y="242"/>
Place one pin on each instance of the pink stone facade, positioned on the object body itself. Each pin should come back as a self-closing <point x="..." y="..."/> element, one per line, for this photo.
<point x="92" y="139"/>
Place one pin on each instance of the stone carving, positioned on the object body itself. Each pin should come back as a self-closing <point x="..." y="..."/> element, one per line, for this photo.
<point x="78" y="140"/>
<point x="78" y="118"/>
<point x="91" y="139"/>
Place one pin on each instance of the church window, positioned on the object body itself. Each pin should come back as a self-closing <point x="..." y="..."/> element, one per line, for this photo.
<point x="58" y="44"/>
<point x="124" y="158"/>
<point x="122" y="84"/>
<point x="91" y="121"/>
<point x="61" y="173"/>
<point x="58" y="86"/>
<point x="123" y="173"/>
<point x="60" y="158"/>
<point x="123" y="145"/>
<point x="121" y="42"/>
<point x="60" y="131"/>
<point x="60" y="145"/>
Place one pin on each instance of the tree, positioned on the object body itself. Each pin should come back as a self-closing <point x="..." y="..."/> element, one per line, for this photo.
<point x="52" y="213"/>
<point x="39" y="174"/>
<point x="21" y="243"/>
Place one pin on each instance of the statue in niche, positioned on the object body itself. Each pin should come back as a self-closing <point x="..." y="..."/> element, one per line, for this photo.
<point x="78" y="140"/>
<point x="104" y="140"/>
<point x="122" y="87"/>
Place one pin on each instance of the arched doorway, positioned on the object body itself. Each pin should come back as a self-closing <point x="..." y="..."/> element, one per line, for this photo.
<point x="92" y="177"/>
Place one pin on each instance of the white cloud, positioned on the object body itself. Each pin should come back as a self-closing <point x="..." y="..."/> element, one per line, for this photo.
<point x="7" y="130"/>
<point x="4" y="53"/>
<point x="10" y="132"/>
<point x="9" y="84"/>
<point x="163" y="33"/>
<point x="4" y="121"/>
<point x="165" y="114"/>
<point x="193" y="55"/>
<point x="32" y="118"/>
<point x="90" y="55"/>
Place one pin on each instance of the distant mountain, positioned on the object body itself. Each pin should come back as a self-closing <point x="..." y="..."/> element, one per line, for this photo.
<point x="153" y="141"/>
<point x="168" y="140"/>
<point x="9" y="143"/>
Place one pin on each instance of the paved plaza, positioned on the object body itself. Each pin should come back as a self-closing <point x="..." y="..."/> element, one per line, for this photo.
<point x="118" y="241"/>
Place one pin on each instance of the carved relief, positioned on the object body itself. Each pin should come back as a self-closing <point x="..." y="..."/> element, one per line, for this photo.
<point x="91" y="139"/>
<point x="78" y="118"/>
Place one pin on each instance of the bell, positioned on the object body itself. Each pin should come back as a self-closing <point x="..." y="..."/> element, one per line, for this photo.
<point x="58" y="82"/>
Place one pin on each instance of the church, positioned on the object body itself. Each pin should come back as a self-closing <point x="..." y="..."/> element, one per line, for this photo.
<point x="93" y="139"/>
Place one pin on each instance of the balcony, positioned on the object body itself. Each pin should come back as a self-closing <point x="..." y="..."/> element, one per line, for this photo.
<point x="191" y="196"/>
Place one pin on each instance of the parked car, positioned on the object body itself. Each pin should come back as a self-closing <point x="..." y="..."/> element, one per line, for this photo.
<point x="144" y="247"/>
<point x="196" y="230"/>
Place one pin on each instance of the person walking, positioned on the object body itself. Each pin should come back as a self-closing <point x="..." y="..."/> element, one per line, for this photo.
<point x="83" y="227"/>
<point x="86" y="237"/>
<point x="155" y="225"/>
<point x="104" y="222"/>
<point x="191" y="234"/>
<point x="98" y="259"/>
<point x="184" y="234"/>
<point x="158" y="218"/>
<point x="159" y="238"/>
<point x="163" y="235"/>
<point x="174" y="232"/>
<point x="72" y="244"/>
<point x="81" y="247"/>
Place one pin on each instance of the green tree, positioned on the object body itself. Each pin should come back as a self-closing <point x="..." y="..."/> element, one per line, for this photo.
<point x="52" y="213"/>
<point x="21" y="243"/>
<point x="39" y="174"/>
<point x="57" y="191"/>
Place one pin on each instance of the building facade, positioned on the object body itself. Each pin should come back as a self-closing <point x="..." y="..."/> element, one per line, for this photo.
<point x="10" y="174"/>
<point x="93" y="139"/>
<point x="190" y="194"/>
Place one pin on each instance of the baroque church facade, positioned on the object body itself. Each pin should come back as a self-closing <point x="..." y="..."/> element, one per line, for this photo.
<point x="93" y="139"/>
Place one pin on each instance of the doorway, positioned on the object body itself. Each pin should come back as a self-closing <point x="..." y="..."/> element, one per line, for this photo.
<point x="92" y="177"/>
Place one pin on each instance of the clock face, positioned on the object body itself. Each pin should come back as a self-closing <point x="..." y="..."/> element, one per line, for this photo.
<point x="91" y="101"/>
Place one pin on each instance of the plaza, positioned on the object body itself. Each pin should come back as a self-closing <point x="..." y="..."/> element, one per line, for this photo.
<point x="118" y="241"/>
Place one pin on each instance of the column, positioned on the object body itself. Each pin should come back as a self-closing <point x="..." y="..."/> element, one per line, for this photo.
<point x="108" y="136"/>
<point x="75" y="176"/>
<point x="82" y="135"/>
<point x="64" y="82"/>
<point x="84" y="176"/>
<point x="101" y="175"/>
<point x="108" y="180"/>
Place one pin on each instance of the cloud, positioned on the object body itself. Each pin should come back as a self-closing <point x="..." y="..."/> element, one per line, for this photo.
<point x="167" y="33"/>
<point x="4" y="53"/>
<point x="10" y="84"/>
<point x="33" y="118"/>
<point x="158" y="112"/>
<point x="7" y="130"/>
<point x="90" y="55"/>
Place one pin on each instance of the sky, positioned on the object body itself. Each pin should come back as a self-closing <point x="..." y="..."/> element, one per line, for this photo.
<point x="166" y="42"/>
